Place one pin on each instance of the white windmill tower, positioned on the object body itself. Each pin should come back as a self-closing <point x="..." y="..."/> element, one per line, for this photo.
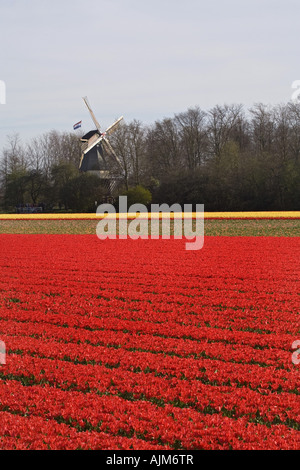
<point x="97" y="153"/>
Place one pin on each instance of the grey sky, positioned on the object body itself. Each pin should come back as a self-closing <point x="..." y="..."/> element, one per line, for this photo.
<point x="144" y="60"/>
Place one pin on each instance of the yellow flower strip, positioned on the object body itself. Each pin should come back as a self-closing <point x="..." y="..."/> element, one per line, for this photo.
<point x="207" y="215"/>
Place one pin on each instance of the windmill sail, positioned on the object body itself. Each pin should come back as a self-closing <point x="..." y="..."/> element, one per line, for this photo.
<point x="91" y="113"/>
<point x="110" y="150"/>
<point x="111" y="128"/>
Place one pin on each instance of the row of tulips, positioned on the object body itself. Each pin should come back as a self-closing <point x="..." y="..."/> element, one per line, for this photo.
<point x="225" y="350"/>
<point x="209" y="365"/>
<point x="76" y="317"/>
<point x="201" y="391"/>
<point x="113" y="416"/>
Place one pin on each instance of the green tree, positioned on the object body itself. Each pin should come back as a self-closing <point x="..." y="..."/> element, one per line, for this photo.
<point x="138" y="194"/>
<point x="82" y="192"/>
<point x="60" y="174"/>
<point x="16" y="187"/>
<point x="36" y="185"/>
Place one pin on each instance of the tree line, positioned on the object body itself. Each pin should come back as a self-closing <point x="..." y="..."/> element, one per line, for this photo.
<point x="227" y="158"/>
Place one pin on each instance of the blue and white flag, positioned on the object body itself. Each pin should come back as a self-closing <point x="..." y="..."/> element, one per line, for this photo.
<point x="77" y="125"/>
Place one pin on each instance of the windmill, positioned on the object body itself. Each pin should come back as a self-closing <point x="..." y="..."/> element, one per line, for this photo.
<point x="97" y="153"/>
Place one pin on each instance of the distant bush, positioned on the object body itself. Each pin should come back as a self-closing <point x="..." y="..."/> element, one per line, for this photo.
<point x="138" y="194"/>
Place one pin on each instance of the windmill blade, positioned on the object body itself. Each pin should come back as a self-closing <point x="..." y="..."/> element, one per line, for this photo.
<point x="111" y="128"/>
<point x="111" y="150"/>
<point x="91" y="113"/>
<point x="93" y="144"/>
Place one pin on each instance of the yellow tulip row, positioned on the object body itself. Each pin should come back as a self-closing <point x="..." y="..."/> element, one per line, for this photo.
<point x="207" y="215"/>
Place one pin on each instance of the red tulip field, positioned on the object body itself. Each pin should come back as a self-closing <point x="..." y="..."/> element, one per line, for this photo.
<point x="141" y="344"/>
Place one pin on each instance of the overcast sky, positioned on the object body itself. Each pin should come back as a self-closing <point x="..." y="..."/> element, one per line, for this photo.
<point x="144" y="60"/>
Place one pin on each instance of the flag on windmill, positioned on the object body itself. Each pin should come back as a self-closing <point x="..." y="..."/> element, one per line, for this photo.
<point x="77" y="125"/>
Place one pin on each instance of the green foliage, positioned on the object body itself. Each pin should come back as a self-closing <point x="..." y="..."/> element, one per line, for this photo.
<point x="138" y="194"/>
<point x="80" y="193"/>
<point x="16" y="185"/>
<point x="61" y="173"/>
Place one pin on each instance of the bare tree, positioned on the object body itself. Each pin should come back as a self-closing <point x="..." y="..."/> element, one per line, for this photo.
<point x="193" y="135"/>
<point x="294" y="125"/>
<point x="13" y="166"/>
<point x="262" y="127"/>
<point x="164" y="147"/>
<point x="119" y="141"/>
<point x="51" y="149"/>
<point x="129" y="143"/>
<point x="13" y="155"/>
<point x="221" y="122"/>
<point x="38" y="154"/>
<point x="136" y="146"/>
